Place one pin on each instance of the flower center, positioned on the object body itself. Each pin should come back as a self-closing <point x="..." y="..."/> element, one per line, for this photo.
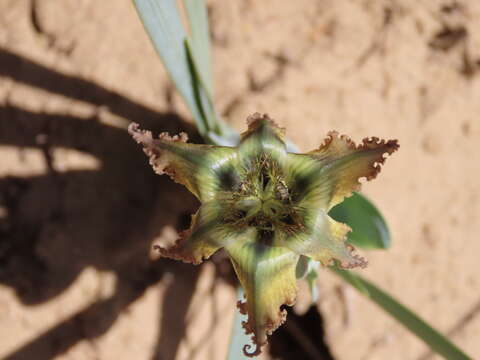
<point x="263" y="200"/>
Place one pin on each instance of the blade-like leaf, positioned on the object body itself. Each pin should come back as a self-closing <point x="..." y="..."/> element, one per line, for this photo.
<point x="352" y="279"/>
<point x="219" y="133"/>
<point x="202" y="97"/>
<point x="369" y="229"/>
<point x="163" y="24"/>
<point x="200" y="41"/>
<point x="187" y="61"/>
<point x="406" y="317"/>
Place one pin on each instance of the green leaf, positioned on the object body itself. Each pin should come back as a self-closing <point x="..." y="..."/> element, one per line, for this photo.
<point x="202" y="98"/>
<point x="369" y="229"/>
<point x="187" y="61"/>
<point x="351" y="279"/>
<point x="200" y="41"/>
<point x="219" y="133"/>
<point x="198" y="46"/>
<point x="437" y="342"/>
<point x="164" y="26"/>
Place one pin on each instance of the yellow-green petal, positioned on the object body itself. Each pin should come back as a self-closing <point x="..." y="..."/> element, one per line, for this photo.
<point x="324" y="177"/>
<point x="204" y="169"/>
<point x="217" y="173"/>
<point x="267" y="275"/>
<point x="262" y="138"/>
<point x="206" y="235"/>
<point x="322" y="239"/>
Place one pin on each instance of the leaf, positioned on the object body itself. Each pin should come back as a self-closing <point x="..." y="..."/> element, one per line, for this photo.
<point x="198" y="46"/>
<point x="202" y="97"/>
<point x="200" y="41"/>
<point x="370" y="230"/>
<point x="351" y="279"/>
<point x="437" y="342"/>
<point x="163" y="24"/>
<point x="187" y="61"/>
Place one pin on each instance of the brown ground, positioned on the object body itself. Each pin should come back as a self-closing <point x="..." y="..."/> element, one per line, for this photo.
<point x="79" y="207"/>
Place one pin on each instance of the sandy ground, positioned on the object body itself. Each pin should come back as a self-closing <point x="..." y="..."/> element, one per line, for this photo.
<point x="79" y="206"/>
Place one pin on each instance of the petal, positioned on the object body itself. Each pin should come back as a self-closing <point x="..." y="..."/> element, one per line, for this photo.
<point x="206" y="235"/>
<point x="322" y="239"/>
<point x="217" y="173"/>
<point x="326" y="176"/>
<point x="267" y="275"/>
<point x="204" y="169"/>
<point x="263" y="137"/>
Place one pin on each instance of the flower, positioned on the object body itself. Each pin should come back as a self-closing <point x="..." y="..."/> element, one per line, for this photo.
<point x="266" y="207"/>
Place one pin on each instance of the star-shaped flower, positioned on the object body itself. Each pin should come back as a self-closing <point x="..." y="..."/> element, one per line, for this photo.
<point x="266" y="207"/>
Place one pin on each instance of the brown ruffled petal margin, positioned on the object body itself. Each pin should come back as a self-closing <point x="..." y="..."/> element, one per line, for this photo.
<point x="358" y="261"/>
<point x="177" y="251"/>
<point x="271" y="326"/>
<point x="159" y="163"/>
<point x="256" y="120"/>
